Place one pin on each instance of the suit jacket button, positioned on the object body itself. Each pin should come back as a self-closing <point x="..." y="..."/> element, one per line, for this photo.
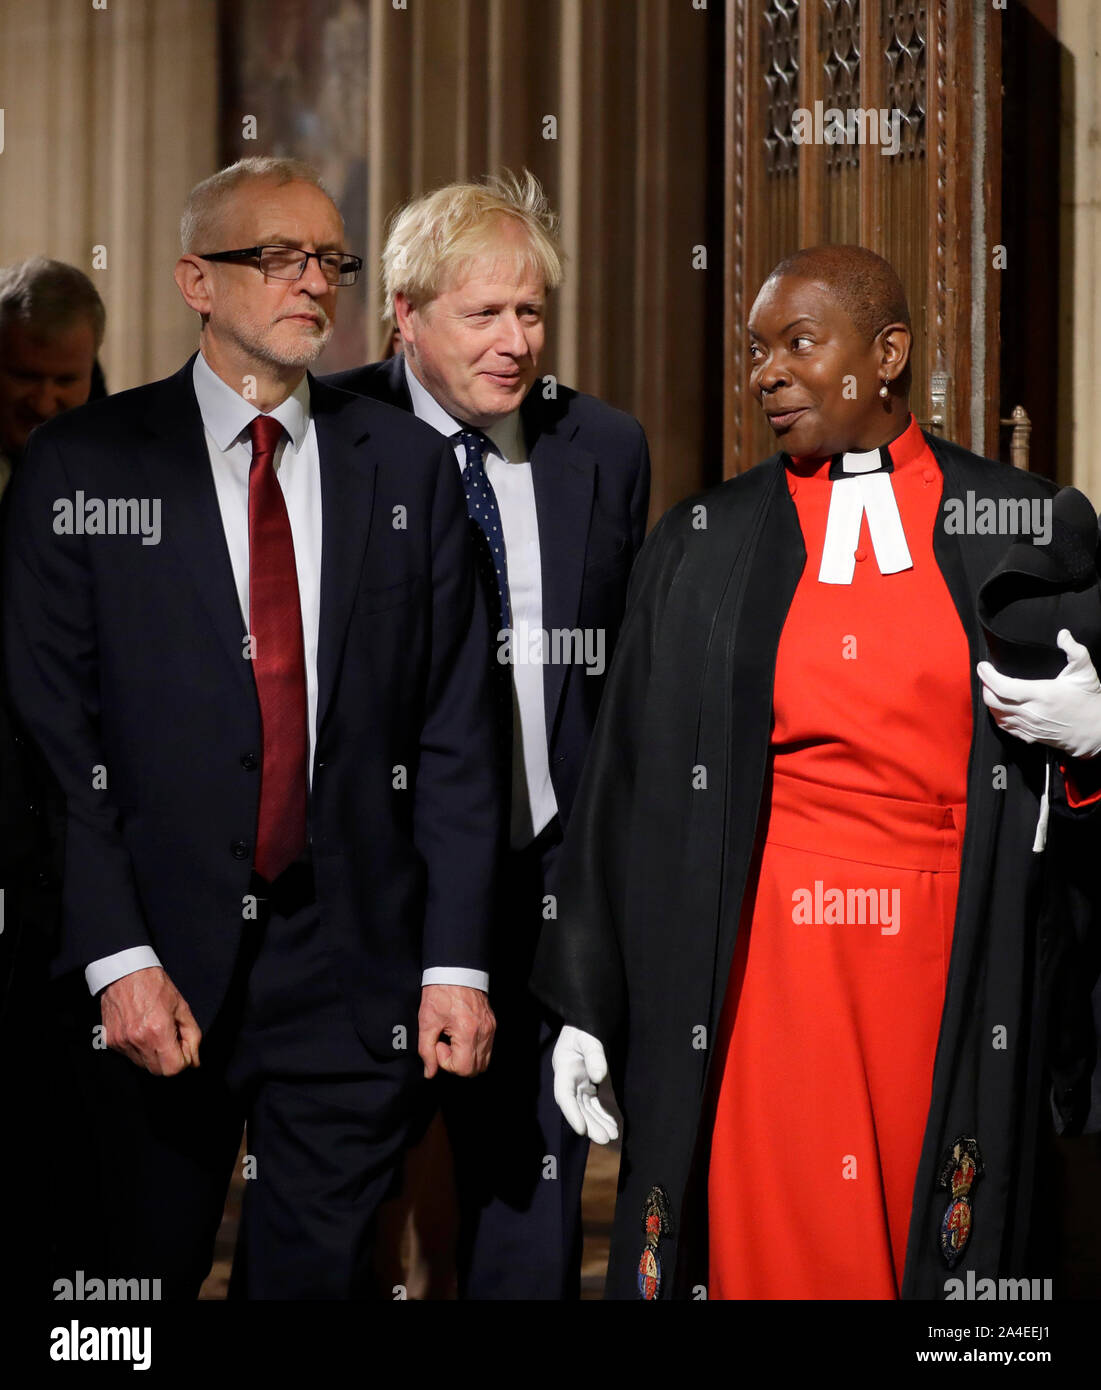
<point x="250" y="762"/>
<point x="239" y="849"/>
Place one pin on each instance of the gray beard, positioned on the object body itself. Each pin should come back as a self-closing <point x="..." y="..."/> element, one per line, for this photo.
<point x="309" y="351"/>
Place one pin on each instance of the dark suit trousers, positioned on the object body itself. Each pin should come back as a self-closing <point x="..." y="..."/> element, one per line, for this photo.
<point x="325" y="1123"/>
<point x="519" y="1168"/>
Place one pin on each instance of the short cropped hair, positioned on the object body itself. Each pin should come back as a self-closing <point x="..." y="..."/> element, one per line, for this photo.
<point x="433" y="238"/>
<point x="865" y="285"/>
<point x="199" y="222"/>
<point x="49" y="297"/>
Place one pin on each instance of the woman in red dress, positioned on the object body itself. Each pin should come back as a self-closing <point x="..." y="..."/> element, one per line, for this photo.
<point x="834" y="1001"/>
<point x="833" y="1005"/>
<point x="769" y="859"/>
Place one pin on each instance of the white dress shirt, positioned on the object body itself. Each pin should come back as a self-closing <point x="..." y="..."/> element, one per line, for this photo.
<point x="226" y="418"/>
<point x="509" y="471"/>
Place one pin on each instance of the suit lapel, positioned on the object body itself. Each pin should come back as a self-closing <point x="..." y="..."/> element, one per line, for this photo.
<point x="564" y="478"/>
<point x="179" y="473"/>
<point x="347" y="499"/>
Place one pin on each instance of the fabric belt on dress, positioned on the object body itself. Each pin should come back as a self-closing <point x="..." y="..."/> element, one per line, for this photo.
<point x="863" y="827"/>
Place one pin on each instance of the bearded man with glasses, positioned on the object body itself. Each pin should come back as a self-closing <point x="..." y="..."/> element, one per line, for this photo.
<point x="268" y="721"/>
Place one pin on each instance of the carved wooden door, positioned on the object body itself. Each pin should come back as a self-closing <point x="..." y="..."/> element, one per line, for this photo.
<point x="878" y="122"/>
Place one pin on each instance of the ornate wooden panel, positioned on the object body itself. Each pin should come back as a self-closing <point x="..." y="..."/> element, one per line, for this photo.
<point x="780" y="75"/>
<point x="914" y="86"/>
<point x="905" y="51"/>
<point x="839" y="58"/>
<point x="840" y="55"/>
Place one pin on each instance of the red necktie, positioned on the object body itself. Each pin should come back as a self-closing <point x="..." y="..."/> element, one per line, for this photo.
<point x="279" y="662"/>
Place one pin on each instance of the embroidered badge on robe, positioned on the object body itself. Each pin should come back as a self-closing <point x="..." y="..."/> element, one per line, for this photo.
<point x="655" y="1224"/>
<point x="959" y="1173"/>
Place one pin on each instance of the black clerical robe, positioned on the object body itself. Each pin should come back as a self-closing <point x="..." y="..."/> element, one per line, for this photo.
<point x="656" y="861"/>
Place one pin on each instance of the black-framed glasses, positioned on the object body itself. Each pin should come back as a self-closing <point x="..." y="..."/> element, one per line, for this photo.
<point x="289" y="262"/>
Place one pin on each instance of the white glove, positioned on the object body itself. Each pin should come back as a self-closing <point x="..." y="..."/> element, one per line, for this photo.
<point x="579" y="1068"/>
<point x="1064" y="713"/>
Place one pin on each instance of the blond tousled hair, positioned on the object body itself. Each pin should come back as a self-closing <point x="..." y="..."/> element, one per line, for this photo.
<point x="434" y="237"/>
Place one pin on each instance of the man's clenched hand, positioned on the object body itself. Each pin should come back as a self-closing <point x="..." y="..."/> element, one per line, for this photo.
<point x="464" y="1015"/>
<point x="147" y="1019"/>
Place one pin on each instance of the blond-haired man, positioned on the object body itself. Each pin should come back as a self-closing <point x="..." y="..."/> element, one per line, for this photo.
<point x="262" y="688"/>
<point x="557" y="486"/>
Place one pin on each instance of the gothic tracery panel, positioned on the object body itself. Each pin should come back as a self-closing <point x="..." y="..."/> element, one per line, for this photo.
<point x="841" y="61"/>
<point x="780" y="67"/>
<point x="904" y="24"/>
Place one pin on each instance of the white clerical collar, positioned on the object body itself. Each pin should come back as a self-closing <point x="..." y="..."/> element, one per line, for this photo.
<point x="227" y="414"/>
<point x="862" y="486"/>
<point x="506" y="435"/>
<point x="871" y="462"/>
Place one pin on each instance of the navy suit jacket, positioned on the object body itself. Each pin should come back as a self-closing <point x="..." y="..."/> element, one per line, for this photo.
<point x="128" y="658"/>
<point x="590" y="468"/>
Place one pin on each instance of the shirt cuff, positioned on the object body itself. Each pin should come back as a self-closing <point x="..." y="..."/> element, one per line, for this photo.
<point x="456" y="975"/>
<point x="108" y="969"/>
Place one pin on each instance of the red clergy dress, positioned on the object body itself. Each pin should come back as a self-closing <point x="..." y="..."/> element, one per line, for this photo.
<point x="829" y="1029"/>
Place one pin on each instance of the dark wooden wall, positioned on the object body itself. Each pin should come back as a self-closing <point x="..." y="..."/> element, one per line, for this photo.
<point x="408" y="99"/>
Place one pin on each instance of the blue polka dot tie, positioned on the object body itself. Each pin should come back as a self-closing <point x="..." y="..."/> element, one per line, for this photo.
<point x="484" y="513"/>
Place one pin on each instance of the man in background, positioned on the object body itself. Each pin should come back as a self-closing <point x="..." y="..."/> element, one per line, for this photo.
<point x="52" y="322"/>
<point x="557" y="486"/>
